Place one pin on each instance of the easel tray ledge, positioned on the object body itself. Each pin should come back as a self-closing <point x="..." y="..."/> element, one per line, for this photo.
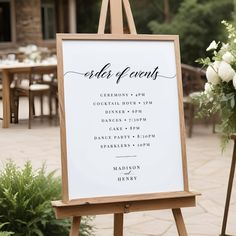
<point x="124" y="204"/>
<point x="125" y="198"/>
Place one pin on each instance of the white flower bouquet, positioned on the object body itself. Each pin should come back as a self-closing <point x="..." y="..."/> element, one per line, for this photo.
<point x="220" y="90"/>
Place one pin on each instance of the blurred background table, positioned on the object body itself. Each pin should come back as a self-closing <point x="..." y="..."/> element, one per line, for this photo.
<point x="7" y="71"/>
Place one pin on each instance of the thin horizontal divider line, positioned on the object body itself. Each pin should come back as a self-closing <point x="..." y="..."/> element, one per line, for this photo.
<point x="166" y="77"/>
<point x="126" y="156"/>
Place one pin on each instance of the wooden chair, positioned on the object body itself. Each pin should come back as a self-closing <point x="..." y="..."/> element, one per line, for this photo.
<point x="52" y="81"/>
<point x="32" y="86"/>
<point x="193" y="80"/>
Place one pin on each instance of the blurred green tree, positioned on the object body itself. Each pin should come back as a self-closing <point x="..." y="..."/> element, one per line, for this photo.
<point x="198" y="22"/>
<point x="143" y="10"/>
<point x="159" y="10"/>
<point x="88" y="15"/>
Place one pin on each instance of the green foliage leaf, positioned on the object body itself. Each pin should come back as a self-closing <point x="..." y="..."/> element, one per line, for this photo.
<point x="232" y="102"/>
<point x="25" y="202"/>
<point x="204" y="61"/>
<point x="5" y="233"/>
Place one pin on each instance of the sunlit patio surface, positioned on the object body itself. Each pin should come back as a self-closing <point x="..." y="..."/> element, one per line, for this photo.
<point x="208" y="172"/>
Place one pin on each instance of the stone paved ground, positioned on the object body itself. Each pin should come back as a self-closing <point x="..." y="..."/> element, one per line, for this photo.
<point x="208" y="174"/>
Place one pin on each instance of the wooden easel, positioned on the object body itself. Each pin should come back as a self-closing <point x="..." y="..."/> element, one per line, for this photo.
<point x="121" y="206"/>
<point x="124" y="204"/>
<point x="229" y="190"/>
<point x="116" y="21"/>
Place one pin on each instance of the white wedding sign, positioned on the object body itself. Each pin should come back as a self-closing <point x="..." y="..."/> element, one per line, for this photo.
<point x="121" y="116"/>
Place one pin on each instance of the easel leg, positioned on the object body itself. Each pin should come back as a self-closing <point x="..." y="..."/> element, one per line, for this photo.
<point x="75" y="226"/>
<point x="179" y="222"/>
<point x="229" y="190"/>
<point x="118" y="224"/>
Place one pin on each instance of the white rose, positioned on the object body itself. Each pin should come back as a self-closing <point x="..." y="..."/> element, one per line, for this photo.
<point x="225" y="46"/>
<point x="234" y="81"/>
<point x="212" y="46"/>
<point x="228" y="57"/>
<point x="225" y="71"/>
<point x="208" y="87"/>
<point x="211" y="73"/>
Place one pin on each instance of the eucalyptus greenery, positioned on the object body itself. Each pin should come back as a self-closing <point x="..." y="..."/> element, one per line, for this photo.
<point x="25" y="203"/>
<point x="220" y="90"/>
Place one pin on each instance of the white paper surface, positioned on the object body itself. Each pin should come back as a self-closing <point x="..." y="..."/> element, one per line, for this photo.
<point x="122" y="118"/>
